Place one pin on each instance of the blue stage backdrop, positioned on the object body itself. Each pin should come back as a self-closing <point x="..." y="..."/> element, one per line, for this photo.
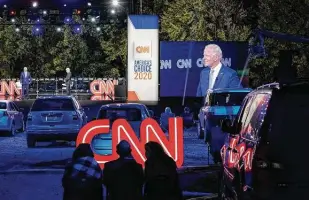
<point x="177" y="57"/>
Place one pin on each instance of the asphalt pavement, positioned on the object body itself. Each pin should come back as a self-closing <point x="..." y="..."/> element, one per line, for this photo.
<point x="15" y="156"/>
<point x="14" y="153"/>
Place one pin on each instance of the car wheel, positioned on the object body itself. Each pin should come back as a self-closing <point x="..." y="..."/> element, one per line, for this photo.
<point x="30" y="142"/>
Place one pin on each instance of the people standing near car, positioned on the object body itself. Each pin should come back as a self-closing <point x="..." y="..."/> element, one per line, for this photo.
<point x="82" y="179"/>
<point x="67" y="81"/>
<point x="164" y="118"/>
<point x="188" y="118"/>
<point x="123" y="177"/>
<point x="161" y="177"/>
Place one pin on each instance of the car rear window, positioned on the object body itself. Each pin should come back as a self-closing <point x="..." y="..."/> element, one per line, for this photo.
<point x="53" y="104"/>
<point x="3" y="105"/>
<point x="130" y="114"/>
<point x="227" y="99"/>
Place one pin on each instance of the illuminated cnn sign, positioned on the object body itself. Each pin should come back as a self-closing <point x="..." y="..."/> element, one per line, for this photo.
<point x="150" y="130"/>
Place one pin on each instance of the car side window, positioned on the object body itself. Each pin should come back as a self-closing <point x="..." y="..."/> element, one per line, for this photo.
<point x="255" y="117"/>
<point x="12" y="107"/>
<point x="258" y="117"/>
<point x="76" y="104"/>
<point x="15" y="106"/>
<point x="245" y="109"/>
<point x="144" y="114"/>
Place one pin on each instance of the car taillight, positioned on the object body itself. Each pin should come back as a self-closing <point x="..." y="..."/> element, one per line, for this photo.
<point x="29" y="118"/>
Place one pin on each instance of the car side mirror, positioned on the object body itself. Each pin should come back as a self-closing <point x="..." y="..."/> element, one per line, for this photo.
<point x="151" y="113"/>
<point x="226" y="126"/>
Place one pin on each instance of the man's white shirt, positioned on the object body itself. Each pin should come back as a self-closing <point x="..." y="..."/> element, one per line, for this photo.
<point x="26" y="74"/>
<point x="214" y="76"/>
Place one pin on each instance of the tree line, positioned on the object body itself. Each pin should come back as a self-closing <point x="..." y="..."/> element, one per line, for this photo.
<point x="103" y="53"/>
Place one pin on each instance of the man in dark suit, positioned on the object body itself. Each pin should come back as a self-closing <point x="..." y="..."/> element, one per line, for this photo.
<point x="123" y="177"/>
<point x="67" y="81"/>
<point x="215" y="75"/>
<point x="25" y="80"/>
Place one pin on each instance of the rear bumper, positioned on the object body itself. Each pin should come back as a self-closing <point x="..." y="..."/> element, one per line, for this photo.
<point x="53" y="136"/>
<point x="69" y="134"/>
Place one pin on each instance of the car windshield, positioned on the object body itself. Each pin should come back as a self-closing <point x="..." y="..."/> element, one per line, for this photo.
<point x="3" y="105"/>
<point x="227" y="99"/>
<point x="130" y="114"/>
<point x="53" y="104"/>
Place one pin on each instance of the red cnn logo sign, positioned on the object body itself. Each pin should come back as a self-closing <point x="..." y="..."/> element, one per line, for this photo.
<point x="150" y="130"/>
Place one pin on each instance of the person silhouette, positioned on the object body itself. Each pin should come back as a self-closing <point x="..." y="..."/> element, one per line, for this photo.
<point x="123" y="177"/>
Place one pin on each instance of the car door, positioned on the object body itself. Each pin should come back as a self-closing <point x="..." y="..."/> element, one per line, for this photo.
<point x="12" y="110"/>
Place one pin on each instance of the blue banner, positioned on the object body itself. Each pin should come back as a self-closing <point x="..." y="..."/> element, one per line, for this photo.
<point x="178" y="57"/>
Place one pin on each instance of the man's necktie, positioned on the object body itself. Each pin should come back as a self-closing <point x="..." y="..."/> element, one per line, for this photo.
<point x="211" y="79"/>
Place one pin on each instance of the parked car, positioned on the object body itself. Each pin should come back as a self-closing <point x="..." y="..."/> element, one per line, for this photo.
<point x="266" y="154"/>
<point x="11" y="117"/>
<point x="54" y="118"/>
<point x="219" y="104"/>
<point x="134" y="113"/>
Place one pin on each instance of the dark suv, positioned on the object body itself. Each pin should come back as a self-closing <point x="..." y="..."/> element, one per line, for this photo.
<point x="266" y="153"/>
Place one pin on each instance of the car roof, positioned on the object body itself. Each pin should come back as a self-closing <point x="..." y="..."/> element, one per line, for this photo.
<point x="224" y="90"/>
<point x="268" y="88"/>
<point x="122" y="105"/>
<point x="55" y="97"/>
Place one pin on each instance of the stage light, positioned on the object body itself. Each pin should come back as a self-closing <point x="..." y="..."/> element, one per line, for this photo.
<point x="37" y="30"/>
<point x="113" y="11"/>
<point x="12" y="12"/>
<point x="65" y="5"/>
<point x="17" y="29"/>
<point x="58" y="29"/>
<point x="13" y="20"/>
<point x="44" y="12"/>
<point x="35" y="4"/>
<point x="115" y="3"/>
<point x="92" y="19"/>
<point x="83" y="19"/>
<point x="67" y="20"/>
<point x="4" y="6"/>
<point x="78" y="12"/>
<point x="98" y="29"/>
<point x="77" y="29"/>
<point x="89" y="4"/>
